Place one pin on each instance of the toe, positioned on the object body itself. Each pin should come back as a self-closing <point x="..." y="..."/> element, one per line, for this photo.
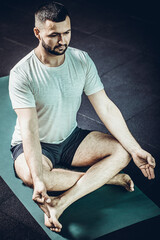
<point x="131" y="185"/>
<point x="52" y="223"/>
<point x="55" y="229"/>
<point x="127" y="187"/>
<point x="55" y="224"/>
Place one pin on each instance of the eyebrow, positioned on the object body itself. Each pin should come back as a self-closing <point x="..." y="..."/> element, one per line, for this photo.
<point x="59" y="33"/>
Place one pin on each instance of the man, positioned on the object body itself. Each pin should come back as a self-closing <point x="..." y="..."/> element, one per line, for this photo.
<point x="45" y="89"/>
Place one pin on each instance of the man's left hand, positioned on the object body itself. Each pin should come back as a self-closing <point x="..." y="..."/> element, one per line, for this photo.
<point x="145" y="162"/>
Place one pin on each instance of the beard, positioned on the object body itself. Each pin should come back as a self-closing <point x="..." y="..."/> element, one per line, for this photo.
<point x="53" y="51"/>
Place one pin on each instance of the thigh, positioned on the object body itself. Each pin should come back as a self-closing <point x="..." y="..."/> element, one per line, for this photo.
<point x="95" y="146"/>
<point x="22" y="169"/>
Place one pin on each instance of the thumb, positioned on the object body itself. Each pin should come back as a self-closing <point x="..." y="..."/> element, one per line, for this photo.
<point x="151" y="161"/>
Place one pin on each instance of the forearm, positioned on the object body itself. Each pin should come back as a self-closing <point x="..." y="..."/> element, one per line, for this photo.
<point x="33" y="155"/>
<point x="115" y="123"/>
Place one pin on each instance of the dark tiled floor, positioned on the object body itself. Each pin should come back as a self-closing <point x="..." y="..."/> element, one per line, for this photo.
<point x="122" y="37"/>
<point x="15" y="221"/>
<point x="144" y="130"/>
<point x="106" y="54"/>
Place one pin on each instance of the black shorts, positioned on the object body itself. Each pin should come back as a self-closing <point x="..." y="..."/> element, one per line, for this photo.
<point x="59" y="154"/>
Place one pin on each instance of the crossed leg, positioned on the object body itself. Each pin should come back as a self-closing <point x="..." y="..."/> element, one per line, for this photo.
<point x="100" y="151"/>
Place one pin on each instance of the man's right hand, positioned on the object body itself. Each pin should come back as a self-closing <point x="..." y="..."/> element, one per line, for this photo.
<point x="40" y="196"/>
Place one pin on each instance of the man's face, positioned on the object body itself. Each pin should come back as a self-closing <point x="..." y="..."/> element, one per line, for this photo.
<point x="55" y="36"/>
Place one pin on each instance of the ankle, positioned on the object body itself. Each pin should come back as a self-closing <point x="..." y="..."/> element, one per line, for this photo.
<point x="58" y="202"/>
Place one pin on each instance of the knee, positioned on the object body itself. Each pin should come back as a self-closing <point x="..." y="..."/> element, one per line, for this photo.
<point x="27" y="180"/>
<point x="123" y="156"/>
<point x="24" y="175"/>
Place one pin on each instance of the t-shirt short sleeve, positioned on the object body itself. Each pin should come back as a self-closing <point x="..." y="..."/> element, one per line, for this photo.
<point x="20" y="91"/>
<point x="93" y="82"/>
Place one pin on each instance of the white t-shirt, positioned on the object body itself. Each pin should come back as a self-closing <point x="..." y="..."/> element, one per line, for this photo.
<point x="54" y="91"/>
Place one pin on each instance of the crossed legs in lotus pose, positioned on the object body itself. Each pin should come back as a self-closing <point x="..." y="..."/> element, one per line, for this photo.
<point x="106" y="158"/>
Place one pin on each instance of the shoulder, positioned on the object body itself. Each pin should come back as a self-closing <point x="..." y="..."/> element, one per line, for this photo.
<point x="23" y="66"/>
<point x="77" y="54"/>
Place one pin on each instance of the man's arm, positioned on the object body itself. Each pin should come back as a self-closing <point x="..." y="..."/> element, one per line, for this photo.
<point x="28" y="121"/>
<point x="115" y="123"/>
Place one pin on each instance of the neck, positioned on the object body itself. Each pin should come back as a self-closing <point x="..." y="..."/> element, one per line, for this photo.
<point x="48" y="59"/>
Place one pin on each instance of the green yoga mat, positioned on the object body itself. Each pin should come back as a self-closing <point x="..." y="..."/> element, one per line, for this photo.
<point x="108" y="209"/>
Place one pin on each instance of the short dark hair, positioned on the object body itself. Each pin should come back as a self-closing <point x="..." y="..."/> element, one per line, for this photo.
<point x="50" y="10"/>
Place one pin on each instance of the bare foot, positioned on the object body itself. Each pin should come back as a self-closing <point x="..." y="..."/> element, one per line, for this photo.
<point x="55" y="213"/>
<point x="123" y="180"/>
<point x="56" y="209"/>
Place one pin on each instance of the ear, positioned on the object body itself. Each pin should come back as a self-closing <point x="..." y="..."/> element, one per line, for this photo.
<point x="37" y="33"/>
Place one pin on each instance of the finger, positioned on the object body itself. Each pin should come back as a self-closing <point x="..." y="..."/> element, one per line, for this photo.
<point x="144" y="172"/>
<point x="148" y="173"/>
<point x="38" y="199"/>
<point x="47" y="198"/>
<point x="45" y="209"/>
<point x="152" y="172"/>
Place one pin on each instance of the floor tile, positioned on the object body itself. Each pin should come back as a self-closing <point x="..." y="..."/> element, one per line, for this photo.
<point x="22" y="36"/>
<point x="133" y="87"/>
<point x="105" y="54"/>
<point x="6" y="193"/>
<point x="128" y="98"/>
<point x="92" y="19"/>
<point x="144" y="10"/>
<point x="14" y="208"/>
<point x="96" y="16"/>
<point x="77" y="36"/>
<point x="11" y="53"/>
<point x="7" y="224"/>
<point x="15" y="220"/>
<point x="22" y="232"/>
<point x="143" y="72"/>
<point x="27" y="7"/>
<point x="145" y="125"/>
<point x="19" y="30"/>
<point x="133" y="34"/>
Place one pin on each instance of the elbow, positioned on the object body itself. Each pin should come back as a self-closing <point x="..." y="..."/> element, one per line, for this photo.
<point x="111" y="113"/>
<point x="111" y="108"/>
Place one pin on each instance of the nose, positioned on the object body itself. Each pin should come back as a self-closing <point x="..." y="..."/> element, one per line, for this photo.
<point x="61" y="39"/>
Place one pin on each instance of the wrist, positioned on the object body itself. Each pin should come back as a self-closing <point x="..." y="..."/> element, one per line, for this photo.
<point x="135" y="150"/>
<point x="37" y="175"/>
<point x="37" y="179"/>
